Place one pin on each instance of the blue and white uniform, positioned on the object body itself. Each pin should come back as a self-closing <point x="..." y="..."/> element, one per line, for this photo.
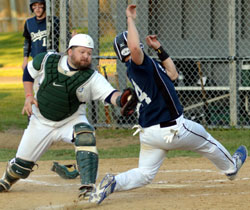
<point x="35" y="31"/>
<point x="153" y="108"/>
<point x="35" y="34"/>
<point x="162" y="127"/>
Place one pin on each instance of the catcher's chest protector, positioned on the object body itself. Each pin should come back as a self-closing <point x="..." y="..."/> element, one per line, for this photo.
<point x="57" y="94"/>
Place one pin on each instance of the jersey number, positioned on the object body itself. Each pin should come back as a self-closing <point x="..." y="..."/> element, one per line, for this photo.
<point x="142" y="96"/>
<point x="44" y="42"/>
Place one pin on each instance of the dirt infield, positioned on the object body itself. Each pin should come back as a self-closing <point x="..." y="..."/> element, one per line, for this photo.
<point x="182" y="183"/>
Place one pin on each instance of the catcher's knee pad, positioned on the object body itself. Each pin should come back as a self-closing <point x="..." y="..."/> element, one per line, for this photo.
<point x="16" y="169"/>
<point x="86" y="152"/>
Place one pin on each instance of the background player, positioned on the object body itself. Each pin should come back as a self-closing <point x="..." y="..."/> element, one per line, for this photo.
<point x="35" y="32"/>
<point x="64" y="84"/>
<point x="162" y="126"/>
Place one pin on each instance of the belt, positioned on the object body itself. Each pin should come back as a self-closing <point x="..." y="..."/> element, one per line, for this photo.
<point x="167" y="124"/>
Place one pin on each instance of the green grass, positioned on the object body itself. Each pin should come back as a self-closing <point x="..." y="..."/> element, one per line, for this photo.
<point x="11" y="49"/>
<point x="11" y="105"/>
<point x="67" y="154"/>
<point x="230" y="138"/>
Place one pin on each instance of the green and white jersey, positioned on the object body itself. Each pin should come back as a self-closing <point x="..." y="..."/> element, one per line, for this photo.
<point x="52" y="87"/>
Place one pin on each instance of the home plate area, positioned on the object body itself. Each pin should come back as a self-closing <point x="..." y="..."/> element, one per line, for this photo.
<point x="181" y="183"/>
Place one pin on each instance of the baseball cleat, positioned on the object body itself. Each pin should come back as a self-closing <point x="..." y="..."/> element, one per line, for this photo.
<point x="4" y="186"/>
<point x="85" y="191"/>
<point x="104" y="189"/>
<point x="240" y="156"/>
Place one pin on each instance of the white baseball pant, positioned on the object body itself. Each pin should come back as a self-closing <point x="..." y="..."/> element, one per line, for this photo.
<point x="156" y="141"/>
<point x="38" y="137"/>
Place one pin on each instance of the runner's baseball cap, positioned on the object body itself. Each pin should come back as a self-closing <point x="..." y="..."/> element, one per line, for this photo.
<point x="81" y="40"/>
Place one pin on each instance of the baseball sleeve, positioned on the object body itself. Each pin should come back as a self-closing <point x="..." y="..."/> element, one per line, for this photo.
<point x="35" y="65"/>
<point x="98" y="88"/>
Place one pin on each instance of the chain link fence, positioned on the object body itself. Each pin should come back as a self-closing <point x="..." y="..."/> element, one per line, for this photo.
<point x="209" y="41"/>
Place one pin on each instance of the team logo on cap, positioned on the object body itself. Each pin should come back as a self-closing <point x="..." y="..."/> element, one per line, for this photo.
<point x="125" y="51"/>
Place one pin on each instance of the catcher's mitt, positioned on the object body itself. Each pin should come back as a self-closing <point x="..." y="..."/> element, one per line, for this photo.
<point x="65" y="171"/>
<point x="127" y="101"/>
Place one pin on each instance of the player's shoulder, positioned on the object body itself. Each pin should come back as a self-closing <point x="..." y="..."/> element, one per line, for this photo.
<point x="38" y="59"/>
<point x="145" y="65"/>
<point x="30" y="19"/>
<point x="94" y="75"/>
<point x="41" y="58"/>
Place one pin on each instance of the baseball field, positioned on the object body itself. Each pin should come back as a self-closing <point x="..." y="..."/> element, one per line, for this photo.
<point x="185" y="180"/>
<point x="182" y="183"/>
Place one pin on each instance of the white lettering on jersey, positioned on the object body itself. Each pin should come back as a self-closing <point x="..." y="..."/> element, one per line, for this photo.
<point x="38" y="36"/>
<point x="142" y="96"/>
<point x="44" y="42"/>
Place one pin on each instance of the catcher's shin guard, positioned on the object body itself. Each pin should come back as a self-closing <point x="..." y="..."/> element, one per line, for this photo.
<point x="86" y="157"/>
<point x="16" y="169"/>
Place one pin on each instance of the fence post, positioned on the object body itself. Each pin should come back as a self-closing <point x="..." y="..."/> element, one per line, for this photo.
<point x="48" y="24"/>
<point x="64" y="27"/>
<point x="120" y="26"/>
<point x="13" y="15"/>
<point x="232" y="64"/>
<point x="93" y="31"/>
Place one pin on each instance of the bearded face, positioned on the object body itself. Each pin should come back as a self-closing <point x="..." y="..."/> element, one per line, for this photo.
<point x="80" y="57"/>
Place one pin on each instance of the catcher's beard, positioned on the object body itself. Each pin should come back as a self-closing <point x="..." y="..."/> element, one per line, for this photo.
<point x="78" y="64"/>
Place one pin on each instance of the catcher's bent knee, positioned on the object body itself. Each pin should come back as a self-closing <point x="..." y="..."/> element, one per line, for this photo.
<point x="86" y="152"/>
<point x="19" y="168"/>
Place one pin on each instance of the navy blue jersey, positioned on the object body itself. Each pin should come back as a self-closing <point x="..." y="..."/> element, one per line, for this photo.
<point x="156" y="92"/>
<point x="37" y="34"/>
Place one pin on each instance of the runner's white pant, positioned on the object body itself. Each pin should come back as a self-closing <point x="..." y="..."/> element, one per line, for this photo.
<point x="38" y="137"/>
<point x="156" y="141"/>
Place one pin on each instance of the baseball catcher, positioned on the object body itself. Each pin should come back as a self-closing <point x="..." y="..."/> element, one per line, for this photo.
<point x="63" y="84"/>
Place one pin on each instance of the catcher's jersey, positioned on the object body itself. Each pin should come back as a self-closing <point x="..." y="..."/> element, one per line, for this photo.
<point x="155" y="90"/>
<point x="95" y="88"/>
